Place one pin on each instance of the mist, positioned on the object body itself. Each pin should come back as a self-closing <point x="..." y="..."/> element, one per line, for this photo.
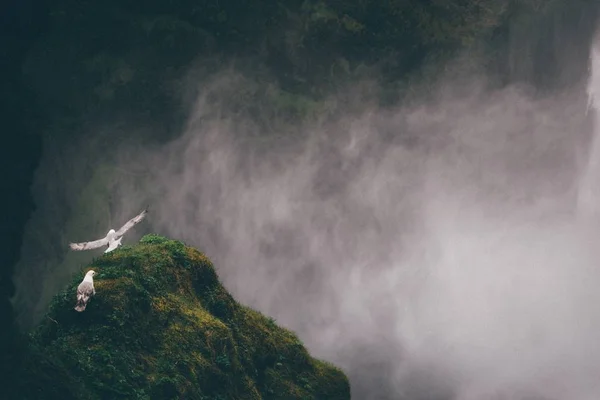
<point x="438" y="249"/>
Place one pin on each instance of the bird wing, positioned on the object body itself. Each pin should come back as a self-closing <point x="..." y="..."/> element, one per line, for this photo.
<point x="85" y="290"/>
<point x="89" y="245"/>
<point x="133" y="221"/>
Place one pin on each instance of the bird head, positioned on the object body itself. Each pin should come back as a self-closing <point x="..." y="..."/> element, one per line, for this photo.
<point x="111" y="233"/>
<point x="91" y="273"/>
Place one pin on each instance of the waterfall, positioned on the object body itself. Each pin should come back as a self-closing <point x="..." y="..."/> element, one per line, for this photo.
<point x="588" y="199"/>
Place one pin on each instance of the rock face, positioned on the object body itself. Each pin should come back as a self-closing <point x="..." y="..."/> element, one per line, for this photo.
<point x="161" y="326"/>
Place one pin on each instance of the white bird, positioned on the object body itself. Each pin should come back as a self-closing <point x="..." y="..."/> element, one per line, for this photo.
<point x="85" y="291"/>
<point x="112" y="238"/>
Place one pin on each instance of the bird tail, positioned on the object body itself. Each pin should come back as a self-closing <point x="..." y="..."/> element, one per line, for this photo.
<point x="81" y="304"/>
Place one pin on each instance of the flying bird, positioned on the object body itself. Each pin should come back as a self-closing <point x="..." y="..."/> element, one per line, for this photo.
<point x="85" y="291"/>
<point x="112" y="238"/>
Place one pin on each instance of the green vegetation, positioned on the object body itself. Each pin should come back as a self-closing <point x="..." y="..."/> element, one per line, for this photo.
<point x="162" y="326"/>
<point x="130" y="57"/>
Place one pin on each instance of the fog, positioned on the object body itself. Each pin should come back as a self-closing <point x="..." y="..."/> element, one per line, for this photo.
<point x="444" y="249"/>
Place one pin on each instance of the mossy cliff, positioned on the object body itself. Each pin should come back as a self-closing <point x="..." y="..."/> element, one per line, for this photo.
<point x="161" y="326"/>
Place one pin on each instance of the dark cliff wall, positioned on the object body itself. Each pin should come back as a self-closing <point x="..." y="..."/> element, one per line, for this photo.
<point x="21" y="22"/>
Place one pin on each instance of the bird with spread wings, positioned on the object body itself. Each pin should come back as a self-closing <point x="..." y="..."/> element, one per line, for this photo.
<point x="112" y="238"/>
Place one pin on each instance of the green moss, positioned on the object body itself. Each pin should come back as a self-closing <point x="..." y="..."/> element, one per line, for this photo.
<point x="162" y="326"/>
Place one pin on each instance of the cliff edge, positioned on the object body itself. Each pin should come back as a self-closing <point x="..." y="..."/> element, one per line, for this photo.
<point x="161" y="326"/>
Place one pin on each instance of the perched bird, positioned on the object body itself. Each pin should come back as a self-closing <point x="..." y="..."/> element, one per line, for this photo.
<point x="112" y="238"/>
<point x="85" y="291"/>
